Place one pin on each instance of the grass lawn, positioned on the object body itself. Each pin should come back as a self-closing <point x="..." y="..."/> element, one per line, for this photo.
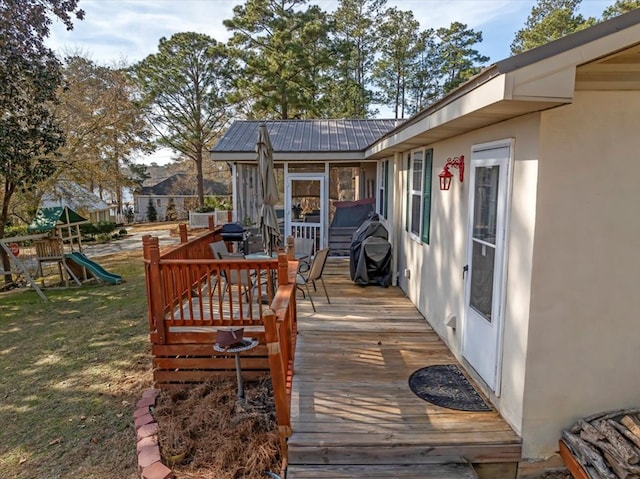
<point x="71" y="372"/>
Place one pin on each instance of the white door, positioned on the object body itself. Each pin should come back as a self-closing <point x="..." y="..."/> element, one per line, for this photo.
<point x="305" y="208"/>
<point x="484" y="303"/>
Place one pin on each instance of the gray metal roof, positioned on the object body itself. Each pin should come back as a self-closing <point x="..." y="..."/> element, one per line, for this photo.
<point x="298" y="136"/>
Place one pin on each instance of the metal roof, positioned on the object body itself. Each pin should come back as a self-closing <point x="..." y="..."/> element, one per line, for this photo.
<point x="298" y="136"/>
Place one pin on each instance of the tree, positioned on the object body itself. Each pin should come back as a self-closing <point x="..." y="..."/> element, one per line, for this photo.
<point x="354" y="46"/>
<point x="171" y="213"/>
<point x="29" y="78"/>
<point x="184" y="87"/>
<point x="425" y="86"/>
<point x="103" y="124"/>
<point x="620" y="7"/>
<point x="399" y="48"/>
<point x="152" y="213"/>
<point x="549" y="20"/>
<point x="283" y="57"/>
<point x="458" y="60"/>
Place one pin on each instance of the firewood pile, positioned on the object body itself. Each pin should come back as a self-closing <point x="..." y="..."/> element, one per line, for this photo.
<point x="607" y="445"/>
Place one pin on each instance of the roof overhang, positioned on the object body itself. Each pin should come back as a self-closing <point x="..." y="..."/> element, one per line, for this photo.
<point x="251" y="157"/>
<point x="523" y="84"/>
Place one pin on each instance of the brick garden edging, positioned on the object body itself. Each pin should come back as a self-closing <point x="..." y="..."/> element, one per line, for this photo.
<point x="150" y="464"/>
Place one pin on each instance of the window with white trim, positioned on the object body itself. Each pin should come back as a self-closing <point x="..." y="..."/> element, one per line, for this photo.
<point x="418" y="218"/>
<point x="383" y="189"/>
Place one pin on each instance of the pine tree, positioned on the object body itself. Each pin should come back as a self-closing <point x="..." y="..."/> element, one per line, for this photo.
<point x="458" y="59"/>
<point x="152" y="213"/>
<point x="619" y="8"/>
<point x="354" y="43"/>
<point x="184" y="87"/>
<point x="283" y="52"/>
<point x="399" y="48"/>
<point x="549" y="20"/>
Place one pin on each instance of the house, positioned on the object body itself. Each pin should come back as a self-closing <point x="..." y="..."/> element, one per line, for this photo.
<point x="80" y="199"/>
<point x="180" y="190"/>
<point x="319" y="165"/>
<point x="527" y="264"/>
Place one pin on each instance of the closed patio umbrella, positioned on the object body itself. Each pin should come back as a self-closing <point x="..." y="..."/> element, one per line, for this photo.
<point x="268" y="219"/>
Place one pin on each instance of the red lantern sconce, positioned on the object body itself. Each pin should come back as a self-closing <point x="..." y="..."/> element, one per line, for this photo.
<point x="446" y="176"/>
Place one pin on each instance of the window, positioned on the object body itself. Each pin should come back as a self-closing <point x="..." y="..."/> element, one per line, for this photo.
<point x="418" y="219"/>
<point x="383" y="190"/>
<point x="158" y="202"/>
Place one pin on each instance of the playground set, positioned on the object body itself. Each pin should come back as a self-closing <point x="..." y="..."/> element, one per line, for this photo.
<point x="56" y="242"/>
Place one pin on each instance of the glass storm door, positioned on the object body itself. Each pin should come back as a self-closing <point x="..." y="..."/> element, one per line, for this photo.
<point x="305" y="210"/>
<point x="481" y="341"/>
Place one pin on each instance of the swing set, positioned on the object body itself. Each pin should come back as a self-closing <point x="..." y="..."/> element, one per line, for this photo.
<point x="29" y="255"/>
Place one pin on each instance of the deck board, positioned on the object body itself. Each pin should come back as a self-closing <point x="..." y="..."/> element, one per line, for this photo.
<point x="351" y="404"/>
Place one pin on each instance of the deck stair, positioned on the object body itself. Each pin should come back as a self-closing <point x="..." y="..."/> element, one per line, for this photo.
<point x="450" y="470"/>
<point x="352" y="412"/>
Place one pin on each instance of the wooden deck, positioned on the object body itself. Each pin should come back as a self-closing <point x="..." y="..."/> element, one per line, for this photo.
<point x="352" y="412"/>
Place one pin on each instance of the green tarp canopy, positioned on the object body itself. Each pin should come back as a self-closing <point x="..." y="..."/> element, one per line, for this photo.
<point x="47" y="219"/>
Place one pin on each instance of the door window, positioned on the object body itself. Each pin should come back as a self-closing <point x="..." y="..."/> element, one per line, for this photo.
<point x="484" y="239"/>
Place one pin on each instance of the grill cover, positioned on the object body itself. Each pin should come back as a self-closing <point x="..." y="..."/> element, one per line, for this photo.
<point x="370" y="254"/>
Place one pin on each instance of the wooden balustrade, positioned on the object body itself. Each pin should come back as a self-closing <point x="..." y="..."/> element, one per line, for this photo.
<point x="280" y="325"/>
<point x="190" y="295"/>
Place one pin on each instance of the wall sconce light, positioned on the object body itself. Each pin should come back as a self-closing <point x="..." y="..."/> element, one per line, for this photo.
<point x="445" y="175"/>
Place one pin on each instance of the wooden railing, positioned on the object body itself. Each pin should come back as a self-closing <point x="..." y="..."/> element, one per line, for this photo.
<point x="190" y="295"/>
<point x="281" y="332"/>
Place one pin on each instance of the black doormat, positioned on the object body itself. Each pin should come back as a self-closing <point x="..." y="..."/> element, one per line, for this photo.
<point x="446" y="386"/>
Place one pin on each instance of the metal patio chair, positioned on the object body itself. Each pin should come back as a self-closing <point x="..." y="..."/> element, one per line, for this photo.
<point x="314" y="274"/>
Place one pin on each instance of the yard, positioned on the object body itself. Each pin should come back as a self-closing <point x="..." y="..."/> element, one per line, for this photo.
<point x="72" y="370"/>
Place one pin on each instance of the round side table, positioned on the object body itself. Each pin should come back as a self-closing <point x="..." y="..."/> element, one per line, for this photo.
<point x="246" y="345"/>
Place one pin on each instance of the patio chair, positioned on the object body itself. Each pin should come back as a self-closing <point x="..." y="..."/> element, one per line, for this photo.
<point x="235" y="277"/>
<point x="314" y="274"/>
<point x="303" y="248"/>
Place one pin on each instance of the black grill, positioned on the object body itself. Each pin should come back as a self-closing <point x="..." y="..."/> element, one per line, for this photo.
<point x="235" y="232"/>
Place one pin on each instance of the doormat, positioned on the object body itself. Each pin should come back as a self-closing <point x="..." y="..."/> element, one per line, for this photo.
<point x="446" y="386"/>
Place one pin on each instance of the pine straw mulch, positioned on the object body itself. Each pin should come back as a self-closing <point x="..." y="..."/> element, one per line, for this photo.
<point x="205" y="433"/>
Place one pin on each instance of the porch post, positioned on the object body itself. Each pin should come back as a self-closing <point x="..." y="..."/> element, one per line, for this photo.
<point x="155" y="300"/>
<point x="278" y="369"/>
<point x="283" y="269"/>
<point x="291" y="248"/>
<point x="183" y="232"/>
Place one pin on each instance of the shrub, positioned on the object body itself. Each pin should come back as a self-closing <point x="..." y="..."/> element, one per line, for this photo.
<point x="122" y="232"/>
<point x="101" y="228"/>
<point x="129" y="214"/>
<point x="172" y="214"/>
<point x="152" y="213"/>
<point x="11" y="231"/>
<point x="212" y="203"/>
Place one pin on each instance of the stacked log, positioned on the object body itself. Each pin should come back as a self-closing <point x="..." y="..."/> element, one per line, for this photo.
<point x="607" y="445"/>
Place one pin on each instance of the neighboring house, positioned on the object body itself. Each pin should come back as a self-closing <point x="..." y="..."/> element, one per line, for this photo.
<point x="179" y="189"/>
<point x="528" y="268"/>
<point x="79" y="199"/>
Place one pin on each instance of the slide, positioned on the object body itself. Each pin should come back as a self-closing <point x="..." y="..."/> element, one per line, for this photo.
<point x="97" y="270"/>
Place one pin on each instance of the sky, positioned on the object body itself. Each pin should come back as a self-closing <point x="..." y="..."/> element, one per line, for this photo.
<point x="117" y="31"/>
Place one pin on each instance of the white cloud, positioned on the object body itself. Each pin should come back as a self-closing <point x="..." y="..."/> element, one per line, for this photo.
<point x="130" y="29"/>
<point x="115" y="29"/>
